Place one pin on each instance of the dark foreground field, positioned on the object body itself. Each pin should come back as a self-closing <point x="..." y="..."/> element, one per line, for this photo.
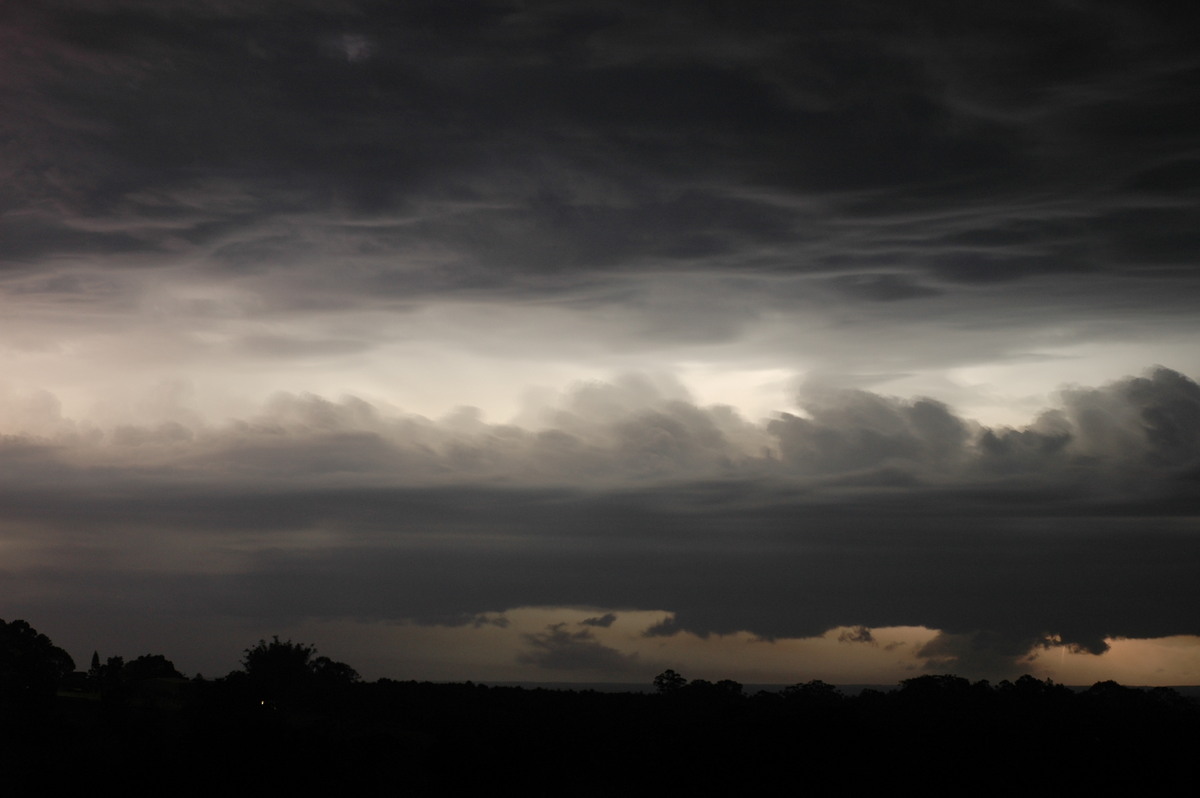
<point x="940" y="734"/>
<point x="292" y="722"/>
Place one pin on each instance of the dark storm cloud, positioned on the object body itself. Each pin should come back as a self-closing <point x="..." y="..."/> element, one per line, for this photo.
<point x="862" y="187"/>
<point x="871" y="512"/>
<point x="560" y="649"/>
<point x="524" y="141"/>
<point x="882" y="287"/>
<point x="857" y="634"/>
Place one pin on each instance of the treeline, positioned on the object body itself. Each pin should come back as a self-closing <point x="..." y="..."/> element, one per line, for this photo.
<point x="288" y="718"/>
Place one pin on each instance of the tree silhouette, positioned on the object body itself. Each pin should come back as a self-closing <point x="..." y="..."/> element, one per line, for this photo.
<point x="813" y="693"/>
<point x="330" y="671"/>
<point x="278" y="669"/>
<point x="30" y="667"/>
<point x="669" y="681"/>
<point x="111" y="677"/>
<point x="283" y="671"/>
<point x="151" y="666"/>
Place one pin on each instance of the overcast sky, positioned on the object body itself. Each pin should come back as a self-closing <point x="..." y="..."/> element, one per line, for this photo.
<point x="576" y="340"/>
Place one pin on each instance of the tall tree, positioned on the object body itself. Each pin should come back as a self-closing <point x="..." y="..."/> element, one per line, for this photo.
<point x="30" y="666"/>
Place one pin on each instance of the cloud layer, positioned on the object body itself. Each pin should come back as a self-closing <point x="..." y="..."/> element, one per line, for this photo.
<point x="871" y="510"/>
<point x="219" y="164"/>
<point x="253" y="254"/>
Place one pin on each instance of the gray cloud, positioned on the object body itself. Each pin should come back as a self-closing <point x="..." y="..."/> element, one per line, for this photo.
<point x="594" y="139"/>
<point x="288" y="198"/>
<point x="876" y="512"/>
<point x="555" y="648"/>
<point x="622" y="180"/>
<point x="1143" y="430"/>
<point x="857" y="634"/>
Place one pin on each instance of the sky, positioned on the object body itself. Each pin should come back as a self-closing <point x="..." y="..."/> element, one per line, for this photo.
<point x="573" y="341"/>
